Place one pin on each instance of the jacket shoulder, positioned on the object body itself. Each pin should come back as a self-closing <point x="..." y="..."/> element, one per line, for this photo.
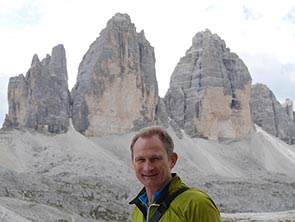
<point x="193" y="195"/>
<point x="197" y="205"/>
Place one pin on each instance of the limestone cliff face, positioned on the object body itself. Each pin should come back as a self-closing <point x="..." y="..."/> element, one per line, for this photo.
<point x="288" y="107"/>
<point x="270" y="115"/>
<point x="209" y="91"/>
<point x="41" y="99"/>
<point x="116" y="89"/>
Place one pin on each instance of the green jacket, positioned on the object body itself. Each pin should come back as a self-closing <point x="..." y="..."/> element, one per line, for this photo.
<point x="193" y="205"/>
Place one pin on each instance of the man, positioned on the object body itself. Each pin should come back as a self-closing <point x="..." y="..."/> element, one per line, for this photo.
<point x="153" y="159"/>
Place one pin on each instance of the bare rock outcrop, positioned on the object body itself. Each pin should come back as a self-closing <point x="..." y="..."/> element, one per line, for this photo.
<point x="40" y="100"/>
<point x="209" y="91"/>
<point x="270" y="115"/>
<point x="288" y="107"/>
<point x="116" y="89"/>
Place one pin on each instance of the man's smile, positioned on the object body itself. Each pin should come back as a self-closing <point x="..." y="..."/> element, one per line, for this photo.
<point x="149" y="175"/>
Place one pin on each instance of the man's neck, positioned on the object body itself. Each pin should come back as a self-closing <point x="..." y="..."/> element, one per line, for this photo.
<point x="150" y="192"/>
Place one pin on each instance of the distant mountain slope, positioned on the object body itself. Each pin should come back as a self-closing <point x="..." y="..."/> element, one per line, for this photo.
<point x="85" y="178"/>
<point x="271" y="115"/>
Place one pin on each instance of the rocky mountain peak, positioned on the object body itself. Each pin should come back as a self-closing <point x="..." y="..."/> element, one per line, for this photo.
<point x="209" y="90"/>
<point x="270" y="115"/>
<point x="57" y="63"/>
<point x="35" y="61"/>
<point x="121" y="22"/>
<point x="116" y="89"/>
<point x="41" y="99"/>
<point x="206" y="39"/>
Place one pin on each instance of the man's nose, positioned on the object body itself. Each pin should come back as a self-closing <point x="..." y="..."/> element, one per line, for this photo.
<point x="148" y="166"/>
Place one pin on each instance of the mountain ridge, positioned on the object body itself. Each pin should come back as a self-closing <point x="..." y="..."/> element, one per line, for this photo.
<point x="117" y="91"/>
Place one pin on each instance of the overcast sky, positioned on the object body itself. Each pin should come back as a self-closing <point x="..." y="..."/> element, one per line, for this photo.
<point x="261" y="32"/>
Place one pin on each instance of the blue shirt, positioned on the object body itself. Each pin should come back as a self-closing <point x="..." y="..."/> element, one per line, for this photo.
<point x="144" y="198"/>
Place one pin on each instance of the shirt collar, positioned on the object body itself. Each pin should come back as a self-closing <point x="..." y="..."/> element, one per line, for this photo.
<point x="144" y="199"/>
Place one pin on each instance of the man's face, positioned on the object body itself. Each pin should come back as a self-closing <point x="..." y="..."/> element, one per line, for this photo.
<point x="151" y="163"/>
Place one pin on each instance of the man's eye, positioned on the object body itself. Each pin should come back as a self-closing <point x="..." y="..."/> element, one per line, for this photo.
<point x="139" y="160"/>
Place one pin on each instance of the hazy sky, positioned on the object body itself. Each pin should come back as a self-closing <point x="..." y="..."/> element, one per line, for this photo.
<point x="261" y="32"/>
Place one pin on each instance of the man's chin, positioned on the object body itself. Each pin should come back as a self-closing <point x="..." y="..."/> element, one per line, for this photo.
<point x="149" y="181"/>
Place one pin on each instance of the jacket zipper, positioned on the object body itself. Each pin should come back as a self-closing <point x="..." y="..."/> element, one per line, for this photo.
<point x="148" y="211"/>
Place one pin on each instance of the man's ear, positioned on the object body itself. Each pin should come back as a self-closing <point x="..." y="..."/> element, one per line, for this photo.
<point x="174" y="158"/>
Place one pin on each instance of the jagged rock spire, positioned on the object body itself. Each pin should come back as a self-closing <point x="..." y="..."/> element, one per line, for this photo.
<point x="209" y="90"/>
<point x="116" y="89"/>
<point x="270" y="115"/>
<point x="41" y="99"/>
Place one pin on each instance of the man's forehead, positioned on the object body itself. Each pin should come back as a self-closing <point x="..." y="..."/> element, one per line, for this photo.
<point x="153" y="139"/>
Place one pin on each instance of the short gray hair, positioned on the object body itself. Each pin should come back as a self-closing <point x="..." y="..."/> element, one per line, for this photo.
<point x="151" y="131"/>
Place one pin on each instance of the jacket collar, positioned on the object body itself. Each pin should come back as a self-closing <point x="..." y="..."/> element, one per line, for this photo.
<point x="164" y="193"/>
<point x="171" y="187"/>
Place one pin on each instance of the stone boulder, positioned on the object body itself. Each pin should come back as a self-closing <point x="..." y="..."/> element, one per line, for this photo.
<point x="40" y="100"/>
<point x="270" y="115"/>
<point x="209" y="91"/>
<point x="116" y="89"/>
